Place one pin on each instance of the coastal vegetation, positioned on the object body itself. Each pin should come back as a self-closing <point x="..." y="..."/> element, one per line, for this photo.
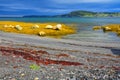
<point x="42" y="29"/>
<point x="109" y="28"/>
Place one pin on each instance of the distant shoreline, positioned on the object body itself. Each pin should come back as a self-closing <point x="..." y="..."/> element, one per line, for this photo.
<point x="78" y="13"/>
<point x="59" y="17"/>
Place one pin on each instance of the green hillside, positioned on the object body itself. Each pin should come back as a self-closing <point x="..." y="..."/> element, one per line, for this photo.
<point x="91" y="14"/>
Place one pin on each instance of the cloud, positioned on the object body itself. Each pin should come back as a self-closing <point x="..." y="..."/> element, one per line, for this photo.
<point x="83" y="1"/>
<point x="31" y="6"/>
<point x="55" y="6"/>
<point x="11" y="7"/>
<point x="21" y="7"/>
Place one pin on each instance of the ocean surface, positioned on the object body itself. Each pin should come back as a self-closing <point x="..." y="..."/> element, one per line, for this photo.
<point x="84" y="27"/>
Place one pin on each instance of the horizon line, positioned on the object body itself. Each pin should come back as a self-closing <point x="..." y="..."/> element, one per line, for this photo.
<point x="2" y="15"/>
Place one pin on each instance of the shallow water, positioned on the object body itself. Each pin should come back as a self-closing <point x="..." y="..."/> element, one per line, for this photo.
<point x="84" y="27"/>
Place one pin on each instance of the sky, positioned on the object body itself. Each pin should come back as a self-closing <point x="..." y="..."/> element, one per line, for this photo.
<point x="55" y="7"/>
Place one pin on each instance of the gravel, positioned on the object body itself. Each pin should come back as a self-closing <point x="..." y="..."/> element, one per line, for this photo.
<point x="99" y="62"/>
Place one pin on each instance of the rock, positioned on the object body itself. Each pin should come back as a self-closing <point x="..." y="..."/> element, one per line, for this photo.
<point x="6" y="63"/>
<point x="96" y="27"/>
<point x="105" y="76"/>
<point x="18" y="27"/>
<point x="42" y="33"/>
<point x="49" y="27"/>
<point x="107" y="28"/>
<point x="35" y="26"/>
<point x="62" y="79"/>
<point x="58" y="27"/>
<point x="5" y="26"/>
<point x="118" y="34"/>
<point x="22" y="74"/>
<point x="47" y="77"/>
<point x="13" y="79"/>
<point x="11" y="26"/>
<point x="36" y="78"/>
<point x="8" y="26"/>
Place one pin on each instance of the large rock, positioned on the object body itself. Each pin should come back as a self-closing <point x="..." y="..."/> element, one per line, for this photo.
<point x="35" y="26"/>
<point x="18" y="27"/>
<point x="107" y="28"/>
<point x="42" y="33"/>
<point x="58" y="27"/>
<point x="49" y="27"/>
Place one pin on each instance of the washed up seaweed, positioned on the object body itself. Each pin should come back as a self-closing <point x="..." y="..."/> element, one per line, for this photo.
<point x="35" y="55"/>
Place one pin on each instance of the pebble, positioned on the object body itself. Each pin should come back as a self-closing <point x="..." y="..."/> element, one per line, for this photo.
<point x="47" y="77"/>
<point x="13" y="79"/>
<point x="22" y="74"/>
<point x="52" y="67"/>
<point x="118" y="75"/>
<point x="61" y="74"/>
<point x="36" y="78"/>
<point x="6" y="63"/>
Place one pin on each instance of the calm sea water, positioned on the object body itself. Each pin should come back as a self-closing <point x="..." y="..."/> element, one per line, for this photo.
<point x="84" y="26"/>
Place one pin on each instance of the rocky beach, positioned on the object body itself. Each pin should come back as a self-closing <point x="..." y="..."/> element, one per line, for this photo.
<point x="30" y="57"/>
<point x="59" y="39"/>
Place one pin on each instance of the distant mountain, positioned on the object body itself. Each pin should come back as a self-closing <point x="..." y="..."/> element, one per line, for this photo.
<point x="81" y="13"/>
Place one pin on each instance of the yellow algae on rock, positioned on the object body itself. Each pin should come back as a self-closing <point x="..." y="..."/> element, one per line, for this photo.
<point x="107" y="28"/>
<point x="18" y="27"/>
<point x="27" y="28"/>
<point x="35" y="26"/>
<point x="111" y="28"/>
<point x="8" y="26"/>
<point x="42" y="33"/>
<point x="58" y="27"/>
<point x="49" y="27"/>
<point x="96" y="27"/>
<point x="118" y="33"/>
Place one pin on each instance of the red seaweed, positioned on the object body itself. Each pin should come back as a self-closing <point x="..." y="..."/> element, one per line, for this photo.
<point x="35" y="55"/>
<point x="62" y="55"/>
<point x="116" y="68"/>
